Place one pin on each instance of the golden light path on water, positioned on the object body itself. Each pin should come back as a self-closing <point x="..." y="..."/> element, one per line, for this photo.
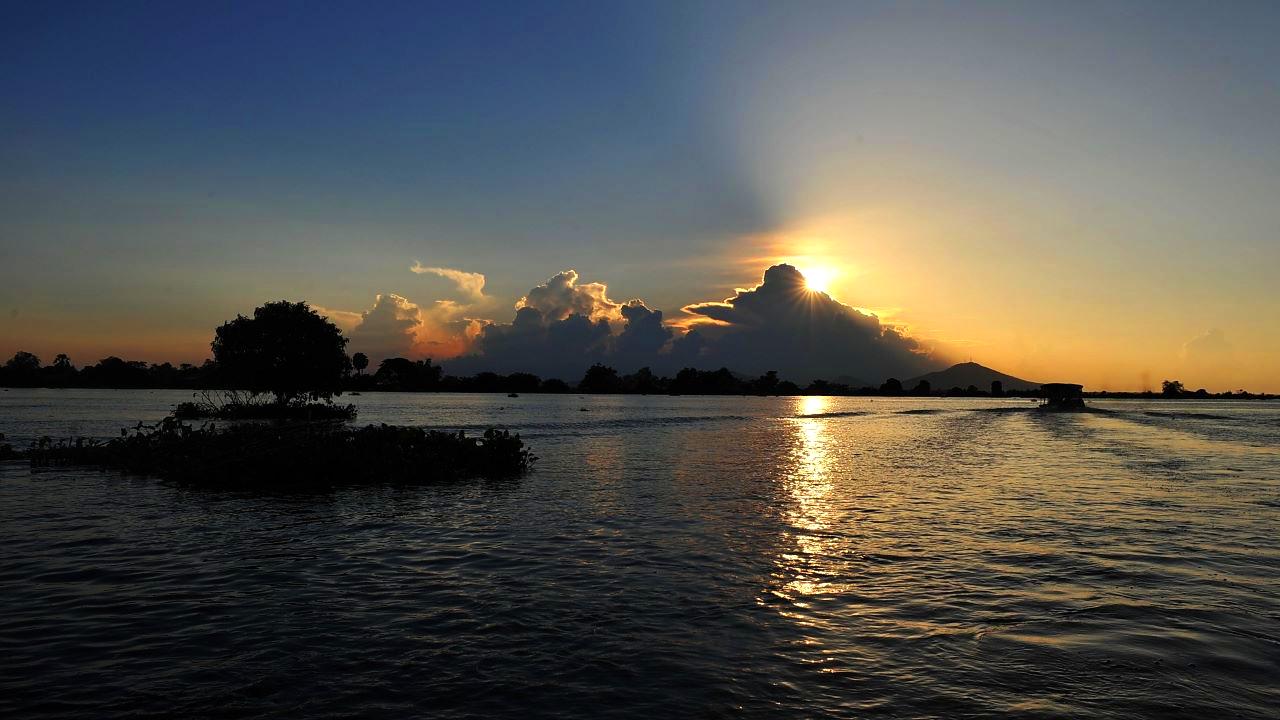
<point x="810" y="487"/>
<point x="805" y="561"/>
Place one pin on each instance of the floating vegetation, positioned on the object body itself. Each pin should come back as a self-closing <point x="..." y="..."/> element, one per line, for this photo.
<point x="233" y="405"/>
<point x="260" y="455"/>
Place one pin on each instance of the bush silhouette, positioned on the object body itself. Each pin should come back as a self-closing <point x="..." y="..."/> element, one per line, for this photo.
<point x="286" y="349"/>
<point x="404" y="374"/>
<point x="600" y="379"/>
<point x="892" y="386"/>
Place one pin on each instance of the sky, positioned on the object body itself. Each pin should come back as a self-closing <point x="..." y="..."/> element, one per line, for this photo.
<point x="1063" y="191"/>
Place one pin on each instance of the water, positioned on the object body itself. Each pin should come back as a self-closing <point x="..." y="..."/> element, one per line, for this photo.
<point x="689" y="557"/>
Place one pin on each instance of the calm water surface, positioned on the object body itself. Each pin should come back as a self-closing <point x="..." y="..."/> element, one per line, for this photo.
<point x="690" y="557"/>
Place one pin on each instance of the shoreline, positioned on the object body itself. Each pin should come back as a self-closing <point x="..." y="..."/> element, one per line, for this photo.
<point x="867" y="392"/>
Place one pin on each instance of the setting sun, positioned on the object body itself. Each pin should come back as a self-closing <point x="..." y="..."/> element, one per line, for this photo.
<point x="818" y="279"/>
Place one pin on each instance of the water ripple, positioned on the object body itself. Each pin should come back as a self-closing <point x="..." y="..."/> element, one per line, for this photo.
<point x="701" y="557"/>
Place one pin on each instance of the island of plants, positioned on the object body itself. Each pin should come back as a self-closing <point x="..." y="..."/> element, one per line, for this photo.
<point x="292" y="454"/>
<point x="290" y="363"/>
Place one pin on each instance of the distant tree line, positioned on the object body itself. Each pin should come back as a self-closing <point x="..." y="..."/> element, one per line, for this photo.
<point x="401" y="374"/>
<point x="25" y="369"/>
<point x="404" y="375"/>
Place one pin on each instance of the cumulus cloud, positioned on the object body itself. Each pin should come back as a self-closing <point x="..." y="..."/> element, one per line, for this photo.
<point x="388" y="329"/>
<point x="782" y="325"/>
<point x="562" y="296"/>
<point x="470" y="284"/>
<point x="398" y="327"/>
<point x="562" y="326"/>
<point x="532" y="342"/>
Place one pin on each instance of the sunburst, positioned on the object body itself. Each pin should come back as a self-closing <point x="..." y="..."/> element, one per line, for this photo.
<point x="818" y="279"/>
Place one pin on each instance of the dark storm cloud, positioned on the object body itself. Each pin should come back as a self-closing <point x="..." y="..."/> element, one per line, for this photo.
<point x="562" y="327"/>
<point x="782" y="325"/>
<point x="538" y="344"/>
<point x="644" y="336"/>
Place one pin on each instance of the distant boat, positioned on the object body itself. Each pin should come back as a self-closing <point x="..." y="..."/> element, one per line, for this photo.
<point x="512" y="395"/>
<point x="1062" y="397"/>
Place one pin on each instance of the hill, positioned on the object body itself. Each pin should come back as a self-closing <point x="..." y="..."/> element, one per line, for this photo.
<point x="962" y="375"/>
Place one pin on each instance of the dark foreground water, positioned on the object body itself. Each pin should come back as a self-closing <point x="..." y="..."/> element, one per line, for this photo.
<point x="681" y="557"/>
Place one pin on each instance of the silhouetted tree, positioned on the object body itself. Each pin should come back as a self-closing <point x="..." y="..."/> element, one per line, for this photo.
<point x="997" y="388"/>
<point x="1171" y="388"/>
<point x="922" y="388"/>
<point x="600" y="379"/>
<point x="522" y="382"/>
<point x="818" y="387"/>
<point x="22" y="370"/>
<point x="643" y="382"/>
<point x="23" y="361"/>
<point x="61" y="373"/>
<point x="555" y="385"/>
<point x="286" y="349"/>
<point x="359" y="361"/>
<point x="114" y="372"/>
<point x="766" y="384"/>
<point x="486" y="382"/>
<point x="404" y="374"/>
<point x="892" y="386"/>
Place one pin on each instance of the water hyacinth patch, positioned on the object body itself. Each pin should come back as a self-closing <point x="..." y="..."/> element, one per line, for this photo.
<point x="266" y="455"/>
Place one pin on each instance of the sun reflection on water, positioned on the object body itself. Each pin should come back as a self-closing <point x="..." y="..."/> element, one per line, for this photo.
<point x="805" y="564"/>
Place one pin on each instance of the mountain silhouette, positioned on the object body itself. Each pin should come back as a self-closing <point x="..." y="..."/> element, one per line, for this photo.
<point x="962" y="375"/>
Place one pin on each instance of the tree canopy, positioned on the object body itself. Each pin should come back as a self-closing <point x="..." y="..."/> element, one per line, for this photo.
<point x="286" y="349"/>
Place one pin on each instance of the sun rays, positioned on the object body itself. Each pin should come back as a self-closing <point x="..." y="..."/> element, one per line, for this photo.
<point x="818" y="278"/>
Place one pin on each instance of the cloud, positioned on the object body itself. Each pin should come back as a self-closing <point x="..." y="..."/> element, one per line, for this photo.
<point x="1210" y="359"/>
<point x="397" y="327"/>
<point x="534" y="343"/>
<point x="1210" y="346"/>
<point x="561" y="327"/>
<point x="469" y="283"/>
<point x="643" y="336"/>
<point x="344" y="319"/>
<point x="388" y="329"/>
<point x="562" y="296"/>
<point x="782" y="325"/>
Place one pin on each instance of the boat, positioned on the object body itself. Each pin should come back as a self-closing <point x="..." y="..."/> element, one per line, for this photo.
<point x="1062" y="397"/>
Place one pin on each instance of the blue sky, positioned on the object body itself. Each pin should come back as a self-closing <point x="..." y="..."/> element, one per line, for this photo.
<point x="163" y="167"/>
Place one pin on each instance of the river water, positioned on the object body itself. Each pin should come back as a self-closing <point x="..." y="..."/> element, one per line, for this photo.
<point x="675" y="556"/>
